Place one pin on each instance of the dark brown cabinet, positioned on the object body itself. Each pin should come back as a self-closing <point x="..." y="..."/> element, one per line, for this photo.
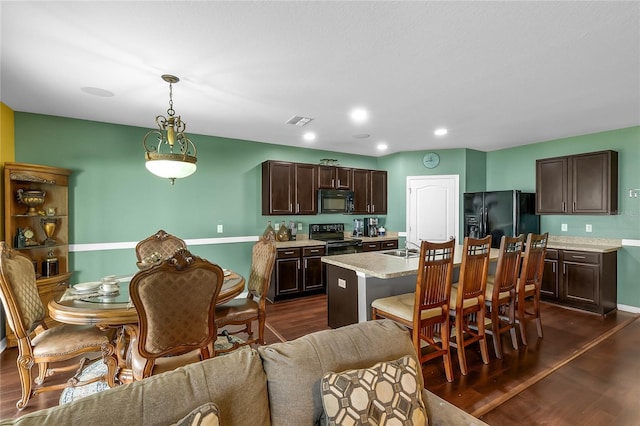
<point x="330" y="177"/>
<point x="288" y="188"/>
<point x="583" y="280"/>
<point x="578" y="184"/>
<point x="297" y="272"/>
<point x="379" y="245"/>
<point x="370" y="191"/>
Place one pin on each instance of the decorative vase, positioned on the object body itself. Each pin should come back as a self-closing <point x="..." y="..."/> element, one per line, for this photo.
<point x="283" y="232"/>
<point x="269" y="233"/>
<point x="31" y="198"/>
<point x="49" y="228"/>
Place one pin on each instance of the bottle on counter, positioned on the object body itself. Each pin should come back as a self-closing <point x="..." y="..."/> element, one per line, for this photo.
<point x="283" y="233"/>
<point x="382" y="231"/>
<point x="269" y="233"/>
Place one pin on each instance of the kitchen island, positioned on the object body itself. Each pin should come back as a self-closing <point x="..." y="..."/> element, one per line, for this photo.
<point x="356" y="280"/>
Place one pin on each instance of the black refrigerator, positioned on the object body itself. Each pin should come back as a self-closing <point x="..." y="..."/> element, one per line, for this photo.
<point x="499" y="213"/>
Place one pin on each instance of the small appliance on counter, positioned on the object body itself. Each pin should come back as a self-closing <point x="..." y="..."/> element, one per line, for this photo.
<point x="293" y="230"/>
<point x="371" y="226"/>
<point x="358" y="228"/>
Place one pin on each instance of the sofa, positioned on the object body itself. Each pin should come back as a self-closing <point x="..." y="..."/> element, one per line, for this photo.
<point x="277" y="384"/>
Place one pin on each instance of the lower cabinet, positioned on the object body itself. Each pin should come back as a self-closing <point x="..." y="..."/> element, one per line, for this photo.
<point x="579" y="279"/>
<point x="297" y="272"/>
<point x="380" y="245"/>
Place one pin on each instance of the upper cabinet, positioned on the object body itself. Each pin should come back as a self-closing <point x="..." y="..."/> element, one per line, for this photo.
<point x="288" y="188"/>
<point x="578" y="184"/>
<point x="331" y="177"/>
<point x="291" y="188"/>
<point x="370" y="191"/>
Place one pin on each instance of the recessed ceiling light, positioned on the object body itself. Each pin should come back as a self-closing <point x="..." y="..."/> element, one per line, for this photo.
<point x="359" y="115"/>
<point x="440" y="132"/>
<point x="382" y="146"/>
<point x="309" y="136"/>
<point x="96" y="91"/>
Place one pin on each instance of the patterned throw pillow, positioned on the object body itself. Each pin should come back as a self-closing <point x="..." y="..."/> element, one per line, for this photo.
<point x="385" y="394"/>
<point x="205" y="415"/>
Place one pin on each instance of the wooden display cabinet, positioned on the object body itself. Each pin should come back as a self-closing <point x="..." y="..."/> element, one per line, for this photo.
<point x="55" y="184"/>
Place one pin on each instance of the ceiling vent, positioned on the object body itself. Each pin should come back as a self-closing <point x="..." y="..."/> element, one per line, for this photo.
<point x="299" y="120"/>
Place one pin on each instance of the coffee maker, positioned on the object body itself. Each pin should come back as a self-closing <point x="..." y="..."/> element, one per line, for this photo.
<point x="371" y="226"/>
<point x="358" y="227"/>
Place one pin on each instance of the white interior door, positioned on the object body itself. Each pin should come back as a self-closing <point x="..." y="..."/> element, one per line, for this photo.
<point x="432" y="208"/>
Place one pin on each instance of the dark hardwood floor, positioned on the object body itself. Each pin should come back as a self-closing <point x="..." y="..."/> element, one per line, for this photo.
<point x="584" y="371"/>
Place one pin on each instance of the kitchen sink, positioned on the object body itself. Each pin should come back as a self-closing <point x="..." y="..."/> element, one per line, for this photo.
<point x="402" y="253"/>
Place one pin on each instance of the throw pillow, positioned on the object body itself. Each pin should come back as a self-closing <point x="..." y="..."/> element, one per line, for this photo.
<point x="385" y="394"/>
<point x="206" y="415"/>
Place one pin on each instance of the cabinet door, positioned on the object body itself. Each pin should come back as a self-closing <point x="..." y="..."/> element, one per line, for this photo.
<point x="312" y="273"/>
<point x="326" y="177"/>
<point x="551" y="275"/>
<point x="287" y="276"/>
<point x="582" y="282"/>
<point x="552" y="185"/>
<point x="361" y="188"/>
<point x="592" y="186"/>
<point x="378" y="191"/>
<point x="277" y="188"/>
<point x="305" y="189"/>
<point x="343" y="178"/>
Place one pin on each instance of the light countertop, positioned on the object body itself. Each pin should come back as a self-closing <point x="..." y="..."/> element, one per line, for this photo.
<point x="596" y="245"/>
<point x="380" y="265"/>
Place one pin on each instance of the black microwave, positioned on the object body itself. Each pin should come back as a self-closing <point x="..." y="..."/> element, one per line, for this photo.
<point x="335" y="201"/>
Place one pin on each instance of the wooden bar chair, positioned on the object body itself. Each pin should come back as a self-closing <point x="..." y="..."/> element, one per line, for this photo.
<point x="529" y="283"/>
<point x="175" y="300"/>
<point x="426" y="311"/>
<point x="245" y="310"/>
<point x="43" y="346"/>
<point x="468" y="299"/>
<point x="157" y="248"/>
<point x="500" y="296"/>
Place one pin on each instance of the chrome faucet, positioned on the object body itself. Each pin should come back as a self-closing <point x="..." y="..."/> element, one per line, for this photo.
<point x="406" y="247"/>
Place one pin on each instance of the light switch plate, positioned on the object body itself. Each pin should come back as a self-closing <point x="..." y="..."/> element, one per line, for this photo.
<point x="564" y="227"/>
<point x="299" y="226"/>
<point x="219" y="229"/>
<point x="589" y="228"/>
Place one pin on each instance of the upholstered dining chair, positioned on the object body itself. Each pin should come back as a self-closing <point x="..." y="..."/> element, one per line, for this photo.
<point x="500" y="296"/>
<point x="40" y="345"/>
<point x="529" y="283"/>
<point x="246" y="310"/>
<point x="467" y="299"/>
<point x="175" y="300"/>
<point x="426" y="311"/>
<point x="156" y="248"/>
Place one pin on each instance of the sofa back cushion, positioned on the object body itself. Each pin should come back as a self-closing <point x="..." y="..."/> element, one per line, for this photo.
<point x="235" y="382"/>
<point x="294" y="369"/>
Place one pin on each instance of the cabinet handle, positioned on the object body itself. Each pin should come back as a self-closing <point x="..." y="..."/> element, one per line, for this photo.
<point x="297" y="207"/>
<point x="298" y="263"/>
<point x="373" y="208"/>
<point x="333" y="183"/>
<point x="305" y="264"/>
<point x="314" y="251"/>
<point x="290" y="207"/>
<point x="367" y="208"/>
<point x="564" y="269"/>
<point x="288" y="252"/>
<point x="579" y="257"/>
<point x="553" y="268"/>
<point x="574" y="206"/>
<point x="338" y="182"/>
<point x="564" y="206"/>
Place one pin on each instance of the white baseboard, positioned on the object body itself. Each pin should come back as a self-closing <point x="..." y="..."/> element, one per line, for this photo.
<point x="631" y="309"/>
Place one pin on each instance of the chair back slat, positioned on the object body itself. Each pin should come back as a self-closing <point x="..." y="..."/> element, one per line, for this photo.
<point x="533" y="260"/>
<point x="473" y="271"/>
<point x="435" y="271"/>
<point x="508" y="268"/>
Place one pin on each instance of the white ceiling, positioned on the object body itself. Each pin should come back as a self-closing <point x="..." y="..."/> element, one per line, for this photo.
<point x="496" y="74"/>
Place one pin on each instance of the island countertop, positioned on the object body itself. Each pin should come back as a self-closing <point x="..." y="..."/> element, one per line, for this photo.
<point x="380" y="265"/>
<point x="596" y="245"/>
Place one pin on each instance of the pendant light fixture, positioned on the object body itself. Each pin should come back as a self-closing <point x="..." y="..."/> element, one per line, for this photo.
<point x="174" y="156"/>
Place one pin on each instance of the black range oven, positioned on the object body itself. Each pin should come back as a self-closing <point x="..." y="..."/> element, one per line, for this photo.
<point x="333" y="235"/>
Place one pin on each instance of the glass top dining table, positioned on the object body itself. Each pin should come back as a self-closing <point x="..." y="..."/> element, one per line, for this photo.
<point x="116" y="310"/>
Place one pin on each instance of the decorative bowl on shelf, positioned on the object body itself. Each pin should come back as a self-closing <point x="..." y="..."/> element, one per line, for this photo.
<point x="31" y="198"/>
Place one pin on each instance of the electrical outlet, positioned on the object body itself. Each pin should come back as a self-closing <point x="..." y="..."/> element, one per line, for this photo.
<point x="276" y="226"/>
<point x="589" y="228"/>
<point x="219" y="229"/>
<point x="299" y="226"/>
<point x="564" y="227"/>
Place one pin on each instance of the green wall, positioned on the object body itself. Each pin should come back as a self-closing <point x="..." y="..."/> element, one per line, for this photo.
<point x="114" y="199"/>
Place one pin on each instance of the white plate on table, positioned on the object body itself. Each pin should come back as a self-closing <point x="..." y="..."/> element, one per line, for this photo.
<point x="87" y="287"/>
<point x="226" y="272"/>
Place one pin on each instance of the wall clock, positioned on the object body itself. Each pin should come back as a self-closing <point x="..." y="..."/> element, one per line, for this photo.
<point x="431" y="160"/>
